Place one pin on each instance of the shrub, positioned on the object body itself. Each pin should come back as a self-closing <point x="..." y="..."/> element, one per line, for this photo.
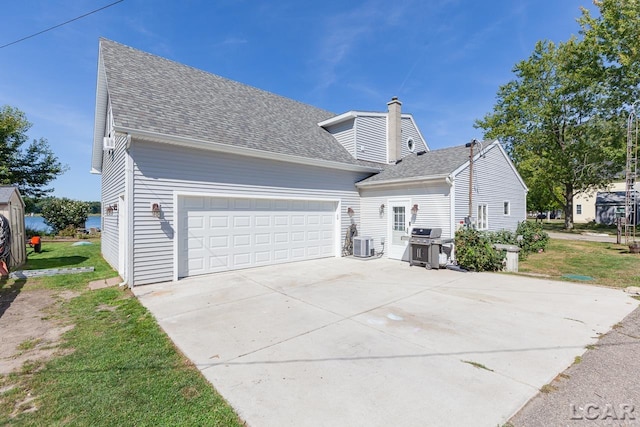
<point x="504" y="237"/>
<point x="534" y="238"/>
<point x="474" y="251"/>
<point x="60" y="214"/>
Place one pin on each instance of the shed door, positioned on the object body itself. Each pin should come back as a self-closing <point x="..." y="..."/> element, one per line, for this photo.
<point x="220" y="234"/>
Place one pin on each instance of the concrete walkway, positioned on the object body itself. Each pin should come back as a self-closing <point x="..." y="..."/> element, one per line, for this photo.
<point x="588" y="236"/>
<point x="348" y="342"/>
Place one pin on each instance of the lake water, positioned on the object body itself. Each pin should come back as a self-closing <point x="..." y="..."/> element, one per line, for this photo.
<point x="37" y="223"/>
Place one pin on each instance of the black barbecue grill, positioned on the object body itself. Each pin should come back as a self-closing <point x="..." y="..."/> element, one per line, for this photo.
<point x="425" y="245"/>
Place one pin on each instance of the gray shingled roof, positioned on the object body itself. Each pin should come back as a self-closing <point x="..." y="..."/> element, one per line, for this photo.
<point x="5" y="193"/>
<point x="153" y="94"/>
<point x="612" y="197"/>
<point x="430" y="164"/>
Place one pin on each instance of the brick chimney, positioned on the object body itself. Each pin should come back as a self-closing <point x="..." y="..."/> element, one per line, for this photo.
<point x="394" y="130"/>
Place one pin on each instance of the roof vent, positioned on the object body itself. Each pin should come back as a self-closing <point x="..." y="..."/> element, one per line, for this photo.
<point x="420" y="153"/>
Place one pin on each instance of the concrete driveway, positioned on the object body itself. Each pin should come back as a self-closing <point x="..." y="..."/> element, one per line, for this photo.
<point x="349" y="342"/>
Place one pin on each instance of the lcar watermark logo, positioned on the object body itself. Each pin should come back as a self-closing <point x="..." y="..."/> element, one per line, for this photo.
<point x="594" y="411"/>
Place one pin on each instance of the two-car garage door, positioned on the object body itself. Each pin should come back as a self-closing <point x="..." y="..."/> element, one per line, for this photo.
<point x="226" y="233"/>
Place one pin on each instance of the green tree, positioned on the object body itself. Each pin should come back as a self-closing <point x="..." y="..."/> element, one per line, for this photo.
<point x="553" y="121"/>
<point x="615" y="36"/>
<point x="63" y="213"/>
<point x="31" y="168"/>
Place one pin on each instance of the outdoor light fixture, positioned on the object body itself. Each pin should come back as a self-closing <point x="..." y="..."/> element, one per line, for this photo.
<point x="350" y="212"/>
<point x="111" y="208"/>
<point x="155" y="209"/>
<point x="414" y="209"/>
<point x="382" y="209"/>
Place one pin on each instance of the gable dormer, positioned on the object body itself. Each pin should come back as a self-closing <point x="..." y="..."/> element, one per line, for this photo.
<point x="375" y="136"/>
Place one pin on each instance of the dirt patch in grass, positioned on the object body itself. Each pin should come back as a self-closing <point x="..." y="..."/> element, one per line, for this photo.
<point x="30" y="332"/>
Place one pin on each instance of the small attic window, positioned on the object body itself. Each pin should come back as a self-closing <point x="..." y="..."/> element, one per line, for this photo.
<point x="411" y="145"/>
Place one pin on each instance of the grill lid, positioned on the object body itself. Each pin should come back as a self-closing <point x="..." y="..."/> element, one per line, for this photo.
<point x="432" y="233"/>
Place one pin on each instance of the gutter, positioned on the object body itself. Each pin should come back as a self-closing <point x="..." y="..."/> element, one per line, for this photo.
<point x="241" y="151"/>
<point x="404" y="181"/>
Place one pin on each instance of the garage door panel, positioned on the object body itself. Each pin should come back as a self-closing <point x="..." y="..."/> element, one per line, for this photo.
<point x="241" y="221"/>
<point x="220" y="234"/>
<point x="262" y="239"/>
<point x="218" y="221"/>
<point x="240" y="240"/>
<point x="218" y="262"/>
<point x="263" y="221"/>
<point x="217" y="203"/>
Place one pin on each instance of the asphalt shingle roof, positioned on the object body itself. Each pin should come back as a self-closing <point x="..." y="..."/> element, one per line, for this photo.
<point x="6" y="193"/>
<point x="432" y="163"/>
<point x="154" y="94"/>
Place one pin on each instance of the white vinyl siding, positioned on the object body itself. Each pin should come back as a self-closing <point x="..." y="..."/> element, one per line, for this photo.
<point x="112" y="186"/>
<point x="344" y="132"/>
<point x="160" y="170"/>
<point x="371" y="138"/>
<point x="409" y="131"/>
<point x="494" y="182"/>
<point x="433" y="210"/>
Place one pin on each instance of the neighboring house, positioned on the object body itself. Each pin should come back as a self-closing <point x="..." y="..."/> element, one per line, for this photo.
<point x="584" y="204"/>
<point x="610" y="204"/>
<point x="202" y="174"/>
<point x="12" y="208"/>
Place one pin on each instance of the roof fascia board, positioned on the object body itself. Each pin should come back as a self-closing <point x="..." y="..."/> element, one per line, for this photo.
<point x="241" y="151"/>
<point x="402" y="181"/>
<point x="338" y="119"/>
<point x="99" y="123"/>
<point x="353" y="114"/>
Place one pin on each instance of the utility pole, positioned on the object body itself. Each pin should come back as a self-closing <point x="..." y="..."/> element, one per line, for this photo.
<point x="470" y="145"/>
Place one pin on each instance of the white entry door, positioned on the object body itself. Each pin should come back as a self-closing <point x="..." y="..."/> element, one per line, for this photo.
<point x="227" y="233"/>
<point x="399" y="223"/>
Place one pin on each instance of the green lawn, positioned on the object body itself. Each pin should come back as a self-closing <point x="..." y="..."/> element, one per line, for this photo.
<point x="609" y="264"/>
<point x="118" y="367"/>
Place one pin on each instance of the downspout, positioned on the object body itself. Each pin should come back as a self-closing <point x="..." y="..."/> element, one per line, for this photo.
<point x="128" y="195"/>
<point x="452" y="212"/>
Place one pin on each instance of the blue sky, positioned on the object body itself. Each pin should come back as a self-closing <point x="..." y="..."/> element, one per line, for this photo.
<point x="444" y="59"/>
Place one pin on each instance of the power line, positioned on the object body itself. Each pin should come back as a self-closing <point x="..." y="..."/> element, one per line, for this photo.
<point x="60" y="25"/>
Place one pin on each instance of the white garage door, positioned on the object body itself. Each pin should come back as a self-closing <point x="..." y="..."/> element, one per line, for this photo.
<point x="221" y="234"/>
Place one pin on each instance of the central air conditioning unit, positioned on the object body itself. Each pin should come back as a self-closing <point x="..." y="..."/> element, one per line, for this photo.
<point x="363" y="247"/>
<point x="108" y="143"/>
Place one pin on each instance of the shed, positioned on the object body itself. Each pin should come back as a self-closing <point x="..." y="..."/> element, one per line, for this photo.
<point x="12" y="208"/>
<point x="608" y="202"/>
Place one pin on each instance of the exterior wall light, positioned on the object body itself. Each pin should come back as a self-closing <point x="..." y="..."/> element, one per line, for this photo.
<point x="381" y="210"/>
<point x="350" y="212"/>
<point x="110" y="209"/>
<point x="414" y="209"/>
<point x="155" y="210"/>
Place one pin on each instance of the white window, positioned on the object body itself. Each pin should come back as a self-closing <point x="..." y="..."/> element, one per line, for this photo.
<point x="579" y="209"/>
<point x="506" y="208"/>
<point x="483" y="216"/>
<point x="398" y="218"/>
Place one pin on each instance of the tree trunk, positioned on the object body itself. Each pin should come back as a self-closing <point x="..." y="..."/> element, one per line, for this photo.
<point x="568" y="207"/>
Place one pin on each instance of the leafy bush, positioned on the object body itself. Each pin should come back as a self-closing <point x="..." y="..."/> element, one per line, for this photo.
<point x="63" y="213"/>
<point x="474" y="251"/>
<point x="504" y="237"/>
<point x="534" y="238"/>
